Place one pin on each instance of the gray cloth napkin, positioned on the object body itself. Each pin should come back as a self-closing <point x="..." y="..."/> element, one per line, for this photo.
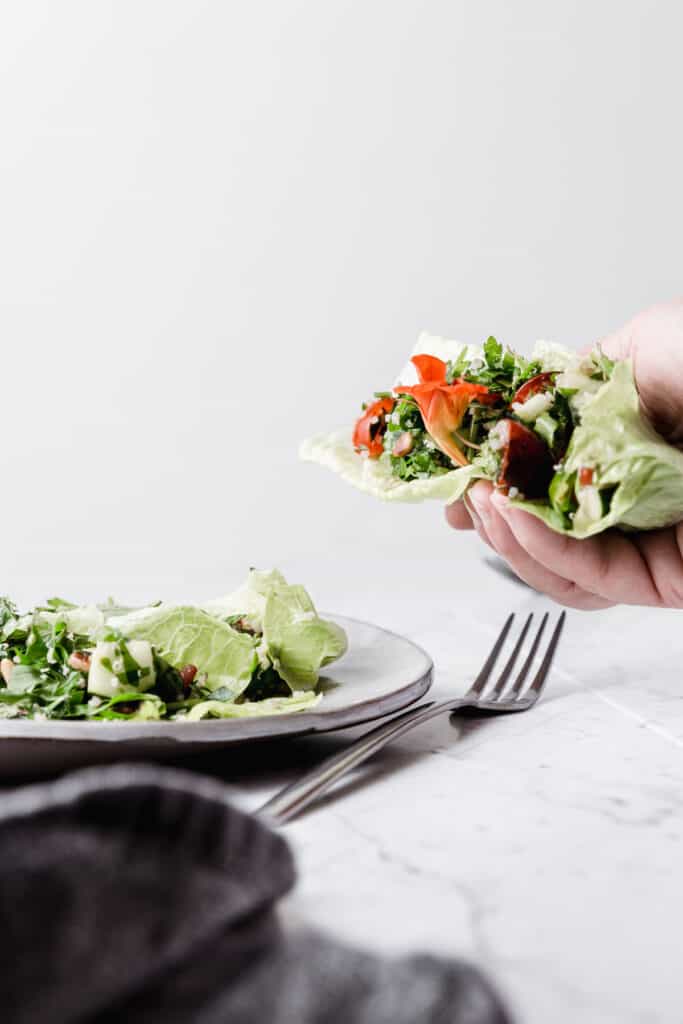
<point x="135" y="893"/>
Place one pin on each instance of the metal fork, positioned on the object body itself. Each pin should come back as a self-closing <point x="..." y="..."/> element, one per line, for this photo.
<point x="298" y="795"/>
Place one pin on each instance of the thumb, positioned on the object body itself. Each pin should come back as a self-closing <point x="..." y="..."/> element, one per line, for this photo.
<point x="617" y="345"/>
<point x="654" y="342"/>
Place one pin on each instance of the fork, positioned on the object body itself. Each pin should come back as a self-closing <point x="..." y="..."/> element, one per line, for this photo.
<point x="295" y="797"/>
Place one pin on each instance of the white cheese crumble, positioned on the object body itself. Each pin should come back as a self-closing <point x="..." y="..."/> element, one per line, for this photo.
<point x="496" y="441"/>
<point x="533" y="407"/>
<point x="107" y="656"/>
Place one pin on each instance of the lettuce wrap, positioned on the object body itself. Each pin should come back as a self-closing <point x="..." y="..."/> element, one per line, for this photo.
<point x="563" y="435"/>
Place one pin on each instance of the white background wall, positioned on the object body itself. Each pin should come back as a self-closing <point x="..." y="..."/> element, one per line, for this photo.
<point x="223" y="224"/>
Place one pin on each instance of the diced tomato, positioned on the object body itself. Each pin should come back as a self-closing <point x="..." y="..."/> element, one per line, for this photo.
<point x="187" y="674"/>
<point x="585" y="476"/>
<point x="526" y="463"/>
<point x="370" y="428"/>
<point x="541" y="382"/>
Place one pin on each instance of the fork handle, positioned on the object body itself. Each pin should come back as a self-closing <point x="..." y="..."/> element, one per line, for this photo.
<point x="293" y="798"/>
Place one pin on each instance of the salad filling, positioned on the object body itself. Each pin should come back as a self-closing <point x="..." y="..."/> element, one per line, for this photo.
<point x="508" y="418"/>
<point x="256" y="652"/>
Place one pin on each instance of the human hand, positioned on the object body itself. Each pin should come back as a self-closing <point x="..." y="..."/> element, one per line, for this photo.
<point x="613" y="568"/>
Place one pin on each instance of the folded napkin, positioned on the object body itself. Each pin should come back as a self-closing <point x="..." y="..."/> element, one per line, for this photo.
<point x="138" y="893"/>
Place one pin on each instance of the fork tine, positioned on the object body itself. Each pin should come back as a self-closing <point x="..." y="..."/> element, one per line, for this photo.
<point x="524" y="671"/>
<point x="544" y="670"/>
<point x="510" y="664"/>
<point x="481" y="680"/>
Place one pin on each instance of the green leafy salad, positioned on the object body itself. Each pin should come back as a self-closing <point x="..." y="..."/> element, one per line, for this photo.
<point x="561" y="434"/>
<point x="258" y="651"/>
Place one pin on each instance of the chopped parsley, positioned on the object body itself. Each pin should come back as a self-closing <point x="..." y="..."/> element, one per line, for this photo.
<point x="500" y="370"/>
<point x="423" y="459"/>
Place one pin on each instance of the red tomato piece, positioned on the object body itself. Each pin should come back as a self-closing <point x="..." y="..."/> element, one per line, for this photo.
<point x="526" y="463"/>
<point x="541" y="382"/>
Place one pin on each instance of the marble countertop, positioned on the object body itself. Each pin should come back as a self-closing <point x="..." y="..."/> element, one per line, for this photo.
<point x="545" y="847"/>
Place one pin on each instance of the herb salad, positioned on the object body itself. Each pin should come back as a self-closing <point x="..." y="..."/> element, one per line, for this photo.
<point x="258" y="651"/>
<point x="498" y="412"/>
<point x="562" y="434"/>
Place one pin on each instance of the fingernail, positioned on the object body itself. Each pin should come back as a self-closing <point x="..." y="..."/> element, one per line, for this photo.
<point x="480" y="505"/>
<point x="474" y="515"/>
<point x="501" y="502"/>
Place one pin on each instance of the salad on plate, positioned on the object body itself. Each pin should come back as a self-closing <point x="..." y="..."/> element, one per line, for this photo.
<point x="562" y="434"/>
<point x="258" y="651"/>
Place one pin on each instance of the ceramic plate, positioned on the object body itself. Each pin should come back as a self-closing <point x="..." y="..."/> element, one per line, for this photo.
<point x="380" y="673"/>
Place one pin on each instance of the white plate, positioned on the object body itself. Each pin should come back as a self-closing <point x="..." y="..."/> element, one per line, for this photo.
<point x="381" y="673"/>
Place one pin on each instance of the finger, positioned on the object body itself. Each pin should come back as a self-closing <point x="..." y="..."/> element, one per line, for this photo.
<point x="477" y="496"/>
<point x="504" y="542"/>
<point x="458" y="516"/>
<point x="643" y="329"/>
<point x="663" y="553"/>
<point x="610" y="566"/>
<point x="475" y="522"/>
<point x="616" y="345"/>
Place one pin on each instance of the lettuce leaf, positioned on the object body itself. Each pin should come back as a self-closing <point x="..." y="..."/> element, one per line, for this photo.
<point x="186" y="635"/>
<point x="297" y="640"/>
<point x="294" y="639"/>
<point x="253" y="709"/>
<point x="249" y="600"/>
<point x="373" y="476"/>
<point x="628" y="456"/>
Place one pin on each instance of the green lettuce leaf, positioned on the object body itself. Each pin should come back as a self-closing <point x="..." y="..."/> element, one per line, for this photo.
<point x="297" y="640"/>
<point x="374" y="476"/>
<point x="189" y="636"/>
<point x="253" y="709"/>
<point x="249" y="600"/>
<point x="642" y="473"/>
